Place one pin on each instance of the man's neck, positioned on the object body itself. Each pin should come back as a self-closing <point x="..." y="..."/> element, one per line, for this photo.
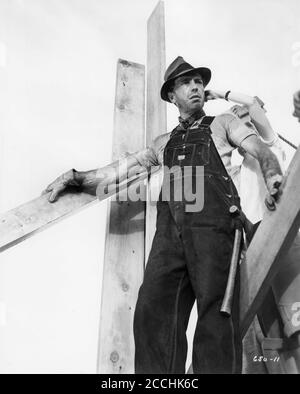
<point x="187" y="119"/>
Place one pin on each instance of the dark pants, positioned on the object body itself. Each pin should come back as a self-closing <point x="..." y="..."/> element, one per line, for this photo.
<point x="184" y="266"/>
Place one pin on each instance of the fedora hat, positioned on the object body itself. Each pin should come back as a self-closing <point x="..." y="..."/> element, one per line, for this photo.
<point x="178" y="68"/>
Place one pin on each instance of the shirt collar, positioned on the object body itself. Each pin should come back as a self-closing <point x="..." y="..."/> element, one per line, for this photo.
<point x="188" y="122"/>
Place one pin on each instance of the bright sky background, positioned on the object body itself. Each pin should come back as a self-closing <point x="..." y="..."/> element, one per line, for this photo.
<point x="57" y="83"/>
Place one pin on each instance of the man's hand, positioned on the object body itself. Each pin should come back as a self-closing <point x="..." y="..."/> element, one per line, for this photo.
<point x="213" y="95"/>
<point x="270" y="168"/>
<point x="273" y="185"/>
<point x="61" y="184"/>
<point x="297" y="105"/>
<point x="239" y="111"/>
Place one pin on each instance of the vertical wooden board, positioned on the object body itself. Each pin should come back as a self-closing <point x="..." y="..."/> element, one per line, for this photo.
<point x="124" y="250"/>
<point x="156" y="108"/>
<point x="156" y="64"/>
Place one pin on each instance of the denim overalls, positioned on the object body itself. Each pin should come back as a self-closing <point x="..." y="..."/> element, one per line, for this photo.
<point x="189" y="259"/>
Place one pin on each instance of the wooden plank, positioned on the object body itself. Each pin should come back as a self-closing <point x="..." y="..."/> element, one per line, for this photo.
<point x="37" y="215"/>
<point x="270" y="244"/>
<point x="124" y="250"/>
<point x="156" y="108"/>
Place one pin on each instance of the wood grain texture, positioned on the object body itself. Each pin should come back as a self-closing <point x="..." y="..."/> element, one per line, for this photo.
<point x="34" y="216"/>
<point x="37" y="215"/>
<point x="156" y="123"/>
<point x="124" y="250"/>
<point x="156" y="65"/>
<point x="270" y="244"/>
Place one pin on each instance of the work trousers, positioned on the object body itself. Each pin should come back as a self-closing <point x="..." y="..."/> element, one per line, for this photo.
<point x="184" y="267"/>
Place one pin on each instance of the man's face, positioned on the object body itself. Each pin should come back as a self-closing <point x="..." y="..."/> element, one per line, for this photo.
<point x="188" y="93"/>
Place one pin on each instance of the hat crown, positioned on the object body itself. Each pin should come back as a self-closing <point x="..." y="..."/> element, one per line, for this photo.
<point x="177" y="66"/>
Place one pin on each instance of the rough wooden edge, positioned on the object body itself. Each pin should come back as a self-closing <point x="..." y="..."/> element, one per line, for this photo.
<point x="37" y="215"/>
<point x="270" y="243"/>
<point x="156" y="121"/>
<point x="123" y="267"/>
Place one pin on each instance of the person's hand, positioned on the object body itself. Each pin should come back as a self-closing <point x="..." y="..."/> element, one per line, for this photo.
<point x="296" y="112"/>
<point x="274" y="192"/>
<point x="212" y="95"/>
<point x="61" y="184"/>
<point x="239" y="111"/>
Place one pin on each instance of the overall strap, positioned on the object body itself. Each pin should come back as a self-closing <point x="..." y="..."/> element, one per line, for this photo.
<point x="206" y="121"/>
<point x="205" y="124"/>
<point x="174" y="131"/>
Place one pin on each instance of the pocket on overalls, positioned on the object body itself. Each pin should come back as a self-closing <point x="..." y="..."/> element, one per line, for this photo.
<point x="181" y="155"/>
<point x="189" y="154"/>
<point x="202" y="155"/>
<point x="201" y="139"/>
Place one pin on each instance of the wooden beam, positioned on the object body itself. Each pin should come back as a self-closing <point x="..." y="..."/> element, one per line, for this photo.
<point x="156" y="65"/>
<point x="124" y="249"/>
<point x="156" y="123"/>
<point x="269" y="245"/>
<point x="34" y="216"/>
<point x="37" y="215"/>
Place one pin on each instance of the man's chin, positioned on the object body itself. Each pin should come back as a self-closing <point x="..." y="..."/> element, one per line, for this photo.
<point x="197" y="105"/>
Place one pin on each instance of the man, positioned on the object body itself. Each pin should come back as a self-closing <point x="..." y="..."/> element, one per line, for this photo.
<point x="191" y="251"/>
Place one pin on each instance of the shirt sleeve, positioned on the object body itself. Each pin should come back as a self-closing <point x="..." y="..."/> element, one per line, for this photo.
<point x="236" y="130"/>
<point x="147" y="157"/>
<point x="154" y="153"/>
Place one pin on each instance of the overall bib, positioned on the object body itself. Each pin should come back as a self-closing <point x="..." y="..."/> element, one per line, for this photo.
<point x="189" y="260"/>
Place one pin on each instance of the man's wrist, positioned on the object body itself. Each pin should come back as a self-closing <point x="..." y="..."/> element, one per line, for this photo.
<point x="227" y="95"/>
<point x="220" y="94"/>
<point x="78" y="177"/>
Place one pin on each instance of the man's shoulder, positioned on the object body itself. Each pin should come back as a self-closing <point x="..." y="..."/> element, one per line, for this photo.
<point x="161" y="140"/>
<point x="224" y="118"/>
<point x="158" y="145"/>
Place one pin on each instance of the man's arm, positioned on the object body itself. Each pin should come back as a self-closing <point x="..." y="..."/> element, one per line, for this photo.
<point x="269" y="165"/>
<point x="250" y="105"/>
<point x="88" y="181"/>
<point x="239" y="98"/>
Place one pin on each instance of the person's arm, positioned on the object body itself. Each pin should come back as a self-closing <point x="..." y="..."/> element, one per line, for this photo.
<point x="269" y="165"/>
<point x="114" y="173"/>
<point x="297" y="105"/>
<point x="241" y="136"/>
<point x="238" y="98"/>
<point x="253" y="106"/>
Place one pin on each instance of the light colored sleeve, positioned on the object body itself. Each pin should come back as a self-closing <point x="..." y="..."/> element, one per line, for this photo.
<point x="146" y="158"/>
<point x="152" y="156"/>
<point x="236" y="130"/>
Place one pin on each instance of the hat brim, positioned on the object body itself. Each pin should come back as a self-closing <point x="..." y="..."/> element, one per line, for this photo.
<point x="203" y="71"/>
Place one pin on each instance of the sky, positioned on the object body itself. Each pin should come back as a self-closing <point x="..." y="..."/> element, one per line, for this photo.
<point x="57" y="83"/>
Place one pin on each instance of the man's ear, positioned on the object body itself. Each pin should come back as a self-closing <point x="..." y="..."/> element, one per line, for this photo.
<point x="172" y="97"/>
